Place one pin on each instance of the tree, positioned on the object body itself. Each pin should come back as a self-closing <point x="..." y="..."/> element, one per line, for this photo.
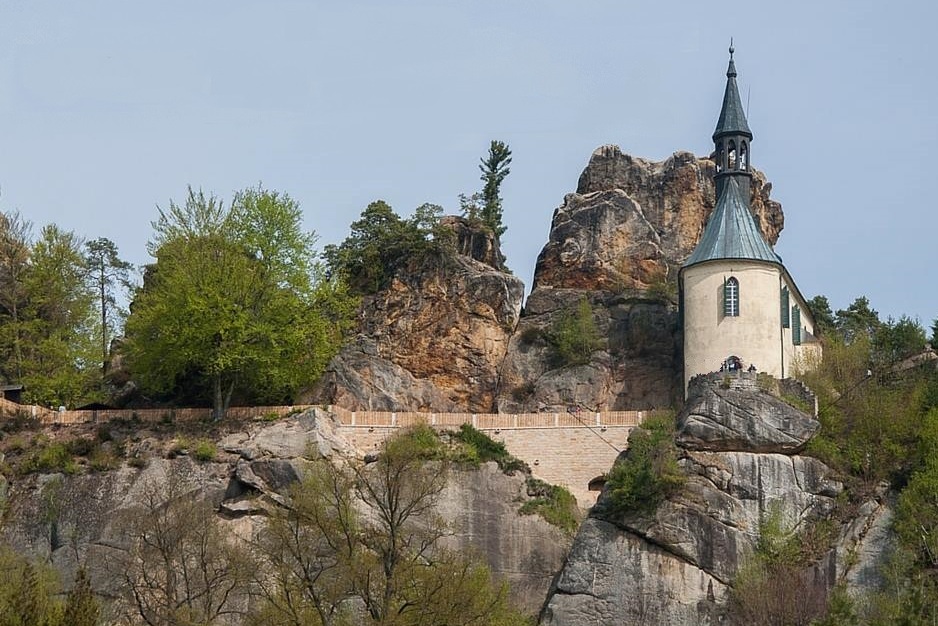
<point x="823" y="316"/>
<point x="59" y="322"/>
<point x="934" y="334"/>
<point x="895" y="340"/>
<point x="857" y="319"/>
<point x="332" y="561"/>
<point x="109" y="275"/>
<point x="81" y="607"/>
<point x="233" y="303"/>
<point x="381" y="242"/>
<point x="180" y="568"/>
<point x="494" y="169"/>
<point x="15" y="236"/>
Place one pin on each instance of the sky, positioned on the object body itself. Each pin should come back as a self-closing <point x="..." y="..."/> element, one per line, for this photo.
<point x="109" y="109"/>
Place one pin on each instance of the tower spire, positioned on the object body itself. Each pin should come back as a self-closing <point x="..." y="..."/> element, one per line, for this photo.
<point x="732" y="136"/>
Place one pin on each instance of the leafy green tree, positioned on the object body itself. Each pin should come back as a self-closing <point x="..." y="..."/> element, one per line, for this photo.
<point x="110" y="276"/>
<point x="649" y="472"/>
<point x="58" y="354"/>
<point x="15" y="243"/>
<point x="494" y="169"/>
<point x="381" y="242"/>
<point x="233" y="303"/>
<point x="823" y="316"/>
<point x="934" y="334"/>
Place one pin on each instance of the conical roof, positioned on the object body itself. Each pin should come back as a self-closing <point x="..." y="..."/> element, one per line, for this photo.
<point x="732" y="232"/>
<point x="732" y="115"/>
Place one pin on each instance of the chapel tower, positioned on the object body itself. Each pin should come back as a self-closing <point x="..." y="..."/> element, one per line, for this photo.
<point x="740" y="306"/>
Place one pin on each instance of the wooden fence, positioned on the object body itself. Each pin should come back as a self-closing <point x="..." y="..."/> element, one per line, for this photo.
<point x="364" y="419"/>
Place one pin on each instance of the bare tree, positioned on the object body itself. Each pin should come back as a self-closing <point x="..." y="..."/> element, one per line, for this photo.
<point x="180" y="569"/>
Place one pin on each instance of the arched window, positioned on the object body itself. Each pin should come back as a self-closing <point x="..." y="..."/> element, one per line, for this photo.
<point x="743" y="156"/>
<point x="732" y="154"/>
<point x="720" y="156"/>
<point x="731" y="297"/>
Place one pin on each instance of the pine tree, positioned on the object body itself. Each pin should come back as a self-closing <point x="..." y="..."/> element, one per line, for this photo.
<point x="494" y="170"/>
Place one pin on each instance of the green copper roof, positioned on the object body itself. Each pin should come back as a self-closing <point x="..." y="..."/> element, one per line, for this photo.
<point x="732" y="116"/>
<point x="731" y="232"/>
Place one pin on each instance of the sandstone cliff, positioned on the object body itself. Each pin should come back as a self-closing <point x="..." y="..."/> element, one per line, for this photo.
<point x="433" y="340"/>
<point x="618" y="242"/>
<point x="446" y="335"/>
<point x="676" y="565"/>
<point x="73" y="519"/>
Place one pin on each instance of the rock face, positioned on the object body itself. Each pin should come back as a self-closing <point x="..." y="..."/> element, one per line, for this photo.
<point x="434" y="339"/>
<point x="618" y="242"/>
<point x="73" y="519"/>
<point x="677" y="564"/>
<point x="632" y="222"/>
<point x="724" y="413"/>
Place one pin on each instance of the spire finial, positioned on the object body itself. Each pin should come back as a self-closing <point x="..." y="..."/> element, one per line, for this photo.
<point x="732" y="49"/>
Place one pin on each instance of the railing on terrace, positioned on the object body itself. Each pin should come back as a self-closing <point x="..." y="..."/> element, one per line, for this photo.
<point x="364" y="419"/>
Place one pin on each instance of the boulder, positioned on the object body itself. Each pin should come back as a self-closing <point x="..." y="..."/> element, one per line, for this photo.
<point x="722" y="413"/>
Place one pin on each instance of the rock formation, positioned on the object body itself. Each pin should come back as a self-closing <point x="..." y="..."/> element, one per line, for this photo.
<point x="434" y="338"/>
<point x="74" y="519"/>
<point x="676" y="564"/>
<point x="618" y="242"/>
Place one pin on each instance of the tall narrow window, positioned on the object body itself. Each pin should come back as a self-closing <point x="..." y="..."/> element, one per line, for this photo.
<point x="796" y="325"/>
<point x="731" y="297"/>
<point x="786" y="316"/>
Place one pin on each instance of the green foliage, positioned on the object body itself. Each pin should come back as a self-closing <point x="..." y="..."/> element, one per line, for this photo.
<point x="477" y="447"/>
<point x="110" y="277"/>
<point x="573" y="336"/>
<point x="420" y="441"/>
<point x="895" y="340"/>
<point x="494" y="168"/>
<point x="554" y="503"/>
<point x="934" y="334"/>
<point x="868" y="423"/>
<point x="234" y="303"/>
<point x="649" y="472"/>
<point x="81" y="606"/>
<point x="857" y="320"/>
<point x="381" y="242"/>
<point x="823" y="315"/>
<point x="48" y="456"/>
<point x="204" y="451"/>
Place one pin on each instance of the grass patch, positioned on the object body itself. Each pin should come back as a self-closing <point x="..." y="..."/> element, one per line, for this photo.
<point x="48" y="456"/>
<point x="555" y="504"/>
<point x="204" y="451"/>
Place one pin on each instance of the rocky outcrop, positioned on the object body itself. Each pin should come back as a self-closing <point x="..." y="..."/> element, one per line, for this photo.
<point x="676" y="565"/>
<point x="632" y="222"/>
<point x="70" y="520"/>
<point x="434" y="339"/>
<point x="618" y="242"/>
<point x="731" y="412"/>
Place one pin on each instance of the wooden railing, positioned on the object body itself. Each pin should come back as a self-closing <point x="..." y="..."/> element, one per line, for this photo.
<point x="366" y="419"/>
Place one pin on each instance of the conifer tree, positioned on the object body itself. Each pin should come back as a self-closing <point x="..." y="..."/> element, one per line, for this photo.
<point x="494" y="169"/>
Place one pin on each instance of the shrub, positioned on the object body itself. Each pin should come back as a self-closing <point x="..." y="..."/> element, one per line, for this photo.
<point x="102" y="461"/>
<point x="553" y="503"/>
<point x="421" y="440"/>
<point x="79" y="446"/>
<point x="477" y="447"/>
<point x="649" y="472"/>
<point x="204" y="451"/>
<point x="49" y="457"/>
<point x="573" y="336"/>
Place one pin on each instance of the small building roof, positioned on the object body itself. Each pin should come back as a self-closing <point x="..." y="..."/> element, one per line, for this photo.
<point x="731" y="232"/>
<point x="732" y="115"/>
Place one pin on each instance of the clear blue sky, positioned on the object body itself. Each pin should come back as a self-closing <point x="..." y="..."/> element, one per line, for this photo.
<point x="109" y="108"/>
